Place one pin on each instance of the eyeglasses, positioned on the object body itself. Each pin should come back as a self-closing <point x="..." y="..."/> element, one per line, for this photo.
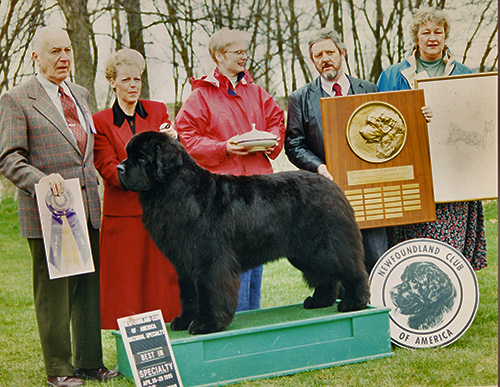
<point x="238" y="52"/>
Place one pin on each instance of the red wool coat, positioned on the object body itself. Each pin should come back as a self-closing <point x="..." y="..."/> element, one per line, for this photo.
<point x="135" y="276"/>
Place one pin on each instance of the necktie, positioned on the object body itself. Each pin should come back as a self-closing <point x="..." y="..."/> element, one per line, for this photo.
<point x="337" y="89"/>
<point x="74" y="124"/>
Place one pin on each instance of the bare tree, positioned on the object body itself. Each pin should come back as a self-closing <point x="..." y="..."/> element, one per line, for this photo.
<point x="269" y="46"/>
<point x="179" y="22"/>
<point x="358" y="49"/>
<point x="136" y="38"/>
<point x="489" y="48"/>
<point x="294" y="43"/>
<point x="81" y="34"/>
<point x="280" y="42"/>
<point x="375" y="31"/>
<point x="329" y="9"/>
<point x="116" y="29"/>
<point x="20" y="19"/>
<point x="480" y="24"/>
<point x="380" y="30"/>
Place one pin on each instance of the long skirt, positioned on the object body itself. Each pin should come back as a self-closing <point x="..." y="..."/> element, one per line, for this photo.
<point x="459" y="224"/>
<point x="135" y="276"/>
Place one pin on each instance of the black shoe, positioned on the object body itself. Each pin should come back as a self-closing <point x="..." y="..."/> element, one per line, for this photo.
<point x="99" y="374"/>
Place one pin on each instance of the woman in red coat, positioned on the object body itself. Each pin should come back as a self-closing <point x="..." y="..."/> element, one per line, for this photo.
<point x="223" y="105"/>
<point x="135" y="276"/>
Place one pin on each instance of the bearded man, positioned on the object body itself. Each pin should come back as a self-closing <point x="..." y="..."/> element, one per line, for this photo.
<point x="304" y="143"/>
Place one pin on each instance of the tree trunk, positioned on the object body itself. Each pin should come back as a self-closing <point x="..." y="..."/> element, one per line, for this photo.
<point x="80" y="32"/>
<point x="135" y="33"/>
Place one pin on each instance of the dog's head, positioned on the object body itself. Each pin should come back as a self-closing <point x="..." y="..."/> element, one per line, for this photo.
<point x="380" y="124"/>
<point x="152" y="159"/>
<point x="425" y="290"/>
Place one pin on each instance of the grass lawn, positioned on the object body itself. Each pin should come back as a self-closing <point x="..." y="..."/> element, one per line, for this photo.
<point x="470" y="361"/>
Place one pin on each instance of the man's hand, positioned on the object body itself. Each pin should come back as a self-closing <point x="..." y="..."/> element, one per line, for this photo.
<point x="56" y="183"/>
<point x="322" y="170"/>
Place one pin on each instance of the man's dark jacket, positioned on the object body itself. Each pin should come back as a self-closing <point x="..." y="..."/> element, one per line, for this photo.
<point x="304" y="143"/>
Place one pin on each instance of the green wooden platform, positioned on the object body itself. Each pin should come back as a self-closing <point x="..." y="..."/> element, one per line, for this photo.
<point x="276" y="341"/>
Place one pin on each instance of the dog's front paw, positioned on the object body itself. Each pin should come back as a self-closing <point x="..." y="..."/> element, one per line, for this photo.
<point x="349" y="306"/>
<point x="179" y="324"/>
<point x="315" y="303"/>
<point x="309" y="303"/>
<point x="199" y="328"/>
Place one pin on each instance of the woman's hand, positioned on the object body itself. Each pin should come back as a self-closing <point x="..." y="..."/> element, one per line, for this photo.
<point x="169" y="129"/>
<point x="270" y="149"/>
<point x="233" y="149"/>
<point x="427" y="112"/>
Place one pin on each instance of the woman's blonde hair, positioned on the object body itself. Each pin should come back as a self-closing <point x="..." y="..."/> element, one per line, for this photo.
<point x="123" y="57"/>
<point x="223" y="39"/>
<point x="425" y="14"/>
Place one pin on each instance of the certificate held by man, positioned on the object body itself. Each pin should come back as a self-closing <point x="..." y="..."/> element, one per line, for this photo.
<point x="65" y="234"/>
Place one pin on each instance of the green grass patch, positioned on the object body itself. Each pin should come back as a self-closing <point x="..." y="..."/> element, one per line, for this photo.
<point x="470" y="361"/>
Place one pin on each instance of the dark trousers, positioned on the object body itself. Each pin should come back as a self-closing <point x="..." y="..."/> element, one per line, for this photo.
<point x="68" y="313"/>
<point x="375" y="244"/>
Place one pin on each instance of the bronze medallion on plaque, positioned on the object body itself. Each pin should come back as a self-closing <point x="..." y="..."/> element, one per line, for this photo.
<point x="376" y="132"/>
<point x="377" y="150"/>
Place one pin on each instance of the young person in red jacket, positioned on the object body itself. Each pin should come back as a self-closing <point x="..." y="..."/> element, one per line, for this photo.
<point x="135" y="276"/>
<point x="222" y="106"/>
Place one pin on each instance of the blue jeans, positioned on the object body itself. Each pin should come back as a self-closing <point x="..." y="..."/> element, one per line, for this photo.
<point x="250" y="285"/>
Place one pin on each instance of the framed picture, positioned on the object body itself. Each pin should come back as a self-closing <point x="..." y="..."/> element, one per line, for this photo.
<point x="463" y="135"/>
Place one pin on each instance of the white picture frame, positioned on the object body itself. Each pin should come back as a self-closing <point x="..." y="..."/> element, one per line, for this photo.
<point x="463" y="135"/>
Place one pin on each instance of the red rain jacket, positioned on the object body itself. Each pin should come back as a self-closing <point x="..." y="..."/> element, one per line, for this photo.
<point x="215" y="112"/>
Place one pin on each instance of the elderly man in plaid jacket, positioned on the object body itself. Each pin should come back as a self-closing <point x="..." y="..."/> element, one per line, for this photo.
<point x="38" y="144"/>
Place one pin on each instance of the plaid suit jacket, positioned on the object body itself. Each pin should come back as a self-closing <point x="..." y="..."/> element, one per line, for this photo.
<point x="35" y="141"/>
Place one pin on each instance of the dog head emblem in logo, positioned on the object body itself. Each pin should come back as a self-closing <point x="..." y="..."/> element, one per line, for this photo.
<point x="431" y="290"/>
<point x="376" y="132"/>
<point x="425" y="294"/>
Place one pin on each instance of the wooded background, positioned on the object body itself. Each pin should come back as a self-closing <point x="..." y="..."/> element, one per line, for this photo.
<point x="173" y="36"/>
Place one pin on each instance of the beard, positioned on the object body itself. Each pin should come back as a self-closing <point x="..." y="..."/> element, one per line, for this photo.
<point x="330" y="74"/>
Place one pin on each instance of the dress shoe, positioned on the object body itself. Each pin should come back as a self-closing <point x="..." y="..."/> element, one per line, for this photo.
<point x="64" y="381"/>
<point x="99" y="374"/>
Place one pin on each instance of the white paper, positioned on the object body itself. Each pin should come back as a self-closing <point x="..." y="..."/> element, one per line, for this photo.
<point x="67" y="247"/>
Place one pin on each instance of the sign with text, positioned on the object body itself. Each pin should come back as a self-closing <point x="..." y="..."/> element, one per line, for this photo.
<point x="377" y="150"/>
<point x="149" y="351"/>
<point x="431" y="289"/>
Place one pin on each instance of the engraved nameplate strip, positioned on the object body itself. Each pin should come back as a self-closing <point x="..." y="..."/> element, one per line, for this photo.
<point x="384" y="202"/>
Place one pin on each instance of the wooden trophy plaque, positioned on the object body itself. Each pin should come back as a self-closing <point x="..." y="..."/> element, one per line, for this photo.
<point x="377" y="150"/>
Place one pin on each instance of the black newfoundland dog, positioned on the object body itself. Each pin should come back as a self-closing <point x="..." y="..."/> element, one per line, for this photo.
<point x="215" y="227"/>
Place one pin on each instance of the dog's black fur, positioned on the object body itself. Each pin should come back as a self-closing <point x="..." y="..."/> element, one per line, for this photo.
<point x="215" y="227"/>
